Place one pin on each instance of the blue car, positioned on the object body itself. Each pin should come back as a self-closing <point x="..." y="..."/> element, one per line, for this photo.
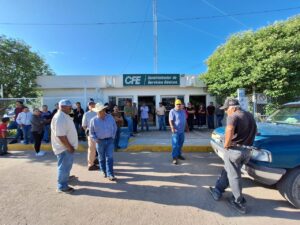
<point x="275" y="158"/>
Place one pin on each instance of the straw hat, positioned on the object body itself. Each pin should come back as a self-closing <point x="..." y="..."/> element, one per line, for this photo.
<point x="99" y="107"/>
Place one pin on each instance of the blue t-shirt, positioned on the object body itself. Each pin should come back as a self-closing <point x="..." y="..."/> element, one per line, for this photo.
<point x="179" y="119"/>
<point x="144" y="112"/>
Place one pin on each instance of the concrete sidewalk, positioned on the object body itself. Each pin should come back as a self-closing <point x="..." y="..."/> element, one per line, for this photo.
<point x="160" y="141"/>
<point x="153" y="140"/>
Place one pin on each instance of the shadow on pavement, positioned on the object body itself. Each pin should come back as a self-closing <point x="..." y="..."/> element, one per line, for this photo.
<point x="150" y="177"/>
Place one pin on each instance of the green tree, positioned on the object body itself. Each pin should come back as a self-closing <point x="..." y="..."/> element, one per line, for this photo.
<point x="267" y="60"/>
<point x="19" y="68"/>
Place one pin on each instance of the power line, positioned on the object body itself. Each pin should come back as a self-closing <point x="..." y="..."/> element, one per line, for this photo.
<point x="224" y="13"/>
<point x="192" y="27"/>
<point x="151" y="21"/>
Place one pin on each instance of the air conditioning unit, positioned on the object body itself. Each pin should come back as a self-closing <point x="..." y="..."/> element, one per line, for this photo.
<point x="110" y="81"/>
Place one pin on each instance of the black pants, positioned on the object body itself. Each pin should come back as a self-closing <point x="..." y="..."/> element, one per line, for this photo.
<point x="37" y="137"/>
<point x="190" y="121"/>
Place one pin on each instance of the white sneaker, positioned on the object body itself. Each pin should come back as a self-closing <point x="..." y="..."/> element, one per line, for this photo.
<point x="41" y="153"/>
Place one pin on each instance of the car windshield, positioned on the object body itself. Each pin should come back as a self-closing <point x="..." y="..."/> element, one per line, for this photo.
<point x="286" y="115"/>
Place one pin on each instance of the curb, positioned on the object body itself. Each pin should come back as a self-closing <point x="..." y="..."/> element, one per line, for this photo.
<point x="132" y="148"/>
<point x="159" y="148"/>
<point x="44" y="147"/>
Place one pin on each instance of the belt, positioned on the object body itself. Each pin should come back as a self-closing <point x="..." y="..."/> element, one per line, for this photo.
<point x="104" y="139"/>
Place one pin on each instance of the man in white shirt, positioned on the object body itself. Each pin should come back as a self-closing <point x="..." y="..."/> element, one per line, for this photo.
<point x="24" y="121"/>
<point x="161" y="115"/>
<point x="87" y="117"/>
<point x="64" y="141"/>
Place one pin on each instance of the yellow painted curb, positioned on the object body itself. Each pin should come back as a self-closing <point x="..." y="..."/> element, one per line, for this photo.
<point x="44" y="147"/>
<point x="159" y="148"/>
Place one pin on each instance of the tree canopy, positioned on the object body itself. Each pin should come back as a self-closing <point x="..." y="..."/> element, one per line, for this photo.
<point x="267" y="59"/>
<point x="19" y="68"/>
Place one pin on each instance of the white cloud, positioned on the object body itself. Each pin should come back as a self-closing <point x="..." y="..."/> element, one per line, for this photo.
<point x="55" y="53"/>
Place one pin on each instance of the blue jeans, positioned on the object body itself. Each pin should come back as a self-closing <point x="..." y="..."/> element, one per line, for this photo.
<point x="144" y="121"/>
<point x="134" y="124"/>
<point x="211" y="121"/>
<point x="219" y="120"/>
<point x="3" y="145"/>
<point x="177" y="143"/>
<point x="27" y="134"/>
<point x="162" y="122"/>
<point x="105" y="149"/>
<point x="234" y="159"/>
<point x="130" y="124"/>
<point x="46" y="133"/>
<point x="79" y="129"/>
<point x="64" y="166"/>
<point x="117" y="138"/>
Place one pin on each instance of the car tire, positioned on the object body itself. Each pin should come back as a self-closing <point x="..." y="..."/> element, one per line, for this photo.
<point x="289" y="187"/>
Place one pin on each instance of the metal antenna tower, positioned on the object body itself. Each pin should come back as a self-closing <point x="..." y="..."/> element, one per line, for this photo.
<point x="154" y="34"/>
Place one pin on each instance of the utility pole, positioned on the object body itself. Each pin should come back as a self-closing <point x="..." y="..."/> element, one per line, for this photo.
<point x="155" y="34"/>
<point x="2" y="91"/>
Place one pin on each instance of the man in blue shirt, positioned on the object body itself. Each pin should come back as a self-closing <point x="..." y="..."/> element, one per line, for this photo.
<point x="144" y="116"/>
<point x="177" y="120"/>
<point x="103" y="130"/>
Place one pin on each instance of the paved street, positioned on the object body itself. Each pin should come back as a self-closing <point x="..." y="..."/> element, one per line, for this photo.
<point x="149" y="191"/>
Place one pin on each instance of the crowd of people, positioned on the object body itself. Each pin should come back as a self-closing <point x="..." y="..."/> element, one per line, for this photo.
<point x="34" y="127"/>
<point x="101" y="126"/>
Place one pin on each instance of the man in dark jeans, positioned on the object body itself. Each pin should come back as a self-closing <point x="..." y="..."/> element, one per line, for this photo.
<point x="239" y="135"/>
<point x="78" y="115"/>
<point x="211" y="115"/>
<point x="191" y="114"/>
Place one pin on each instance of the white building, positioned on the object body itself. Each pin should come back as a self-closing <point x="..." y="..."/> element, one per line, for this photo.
<point x="148" y="88"/>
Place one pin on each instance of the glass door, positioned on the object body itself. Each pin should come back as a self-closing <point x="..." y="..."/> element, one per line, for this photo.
<point x="168" y="102"/>
<point x="121" y="101"/>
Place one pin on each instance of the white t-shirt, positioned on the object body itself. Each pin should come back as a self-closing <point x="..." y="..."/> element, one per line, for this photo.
<point x="62" y="125"/>
<point x="24" y="118"/>
<point x="161" y="111"/>
<point x="87" y="117"/>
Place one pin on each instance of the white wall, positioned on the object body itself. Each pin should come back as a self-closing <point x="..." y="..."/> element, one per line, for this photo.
<point x="81" y="88"/>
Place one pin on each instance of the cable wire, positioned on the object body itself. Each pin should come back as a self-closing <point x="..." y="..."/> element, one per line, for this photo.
<point x="151" y="21"/>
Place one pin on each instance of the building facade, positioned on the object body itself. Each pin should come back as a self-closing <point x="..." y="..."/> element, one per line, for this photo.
<point x="148" y="88"/>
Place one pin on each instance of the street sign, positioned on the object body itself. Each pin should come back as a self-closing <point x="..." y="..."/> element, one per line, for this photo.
<point x="261" y="99"/>
<point x="151" y="79"/>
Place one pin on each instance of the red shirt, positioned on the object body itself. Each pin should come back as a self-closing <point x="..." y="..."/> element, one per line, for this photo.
<point x="3" y="130"/>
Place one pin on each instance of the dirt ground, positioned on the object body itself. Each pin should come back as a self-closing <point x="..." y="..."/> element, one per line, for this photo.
<point x="149" y="190"/>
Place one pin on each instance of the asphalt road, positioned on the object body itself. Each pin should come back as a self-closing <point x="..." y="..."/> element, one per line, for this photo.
<point x="149" y="190"/>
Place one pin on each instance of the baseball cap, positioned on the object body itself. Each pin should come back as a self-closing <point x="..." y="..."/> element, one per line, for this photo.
<point x="178" y="102"/>
<point x="230" y="102"/>
<point x="91" y="103"/>
<point x="65" y="102"/>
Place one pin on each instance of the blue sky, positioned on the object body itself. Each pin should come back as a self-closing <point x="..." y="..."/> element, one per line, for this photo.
<point x="183" y="46"/>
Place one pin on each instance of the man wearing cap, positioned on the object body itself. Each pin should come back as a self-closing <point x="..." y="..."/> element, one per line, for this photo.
<point x="177" y="121"/>
<point x="64" y="142"/>
<point x="87" y="117"/>
<point x="240" y="133"/>
<point x="103" y="130"/>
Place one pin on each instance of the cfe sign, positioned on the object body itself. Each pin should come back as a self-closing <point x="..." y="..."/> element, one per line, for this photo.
<point x="151" y="79"/>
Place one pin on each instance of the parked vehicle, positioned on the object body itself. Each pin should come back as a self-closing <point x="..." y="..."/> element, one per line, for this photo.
<point x="275" y="154"/>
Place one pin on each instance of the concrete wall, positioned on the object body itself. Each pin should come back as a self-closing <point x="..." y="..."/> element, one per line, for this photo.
<point x="81" y="88"/>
